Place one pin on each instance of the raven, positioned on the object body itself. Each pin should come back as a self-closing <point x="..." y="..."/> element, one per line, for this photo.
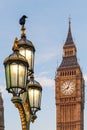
<point x="22" y="20"/>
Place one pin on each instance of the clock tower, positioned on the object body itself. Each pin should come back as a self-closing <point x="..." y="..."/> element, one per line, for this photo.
<point x="1" y="113"/>
<point x="69" y="89"/>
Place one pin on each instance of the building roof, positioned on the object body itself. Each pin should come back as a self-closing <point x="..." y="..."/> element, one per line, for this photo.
<point x="69" y="62"/>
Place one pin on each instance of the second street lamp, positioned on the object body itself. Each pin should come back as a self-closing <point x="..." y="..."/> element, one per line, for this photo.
<point x="19" y="72"/>
<point x="34" y="93"/>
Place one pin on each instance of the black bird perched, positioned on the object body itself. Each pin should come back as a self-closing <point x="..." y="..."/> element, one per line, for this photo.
<point x="22" y="20"/>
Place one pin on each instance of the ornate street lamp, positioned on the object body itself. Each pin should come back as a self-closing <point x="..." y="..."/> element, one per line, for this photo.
<point x="16" y="71"/>
<point x="34" y="93"/>
<point x="20" y="79"/>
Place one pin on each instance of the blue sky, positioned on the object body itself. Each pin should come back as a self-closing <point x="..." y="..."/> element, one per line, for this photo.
<point x="47" y="28"/>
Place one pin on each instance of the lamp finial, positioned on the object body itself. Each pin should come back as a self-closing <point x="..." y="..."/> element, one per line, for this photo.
<point x="15" y="46"/>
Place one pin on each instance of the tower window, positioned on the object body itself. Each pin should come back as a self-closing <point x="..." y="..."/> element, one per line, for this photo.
<point x="69" y="53"/>
<point x="67" y="73"/>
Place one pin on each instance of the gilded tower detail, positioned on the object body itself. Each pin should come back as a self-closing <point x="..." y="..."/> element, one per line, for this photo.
<point x="69" y="89"/>
<point x="1" y="113"/>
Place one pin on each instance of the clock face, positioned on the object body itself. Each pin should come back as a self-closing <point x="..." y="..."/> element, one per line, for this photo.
<point x="68" y="87"/>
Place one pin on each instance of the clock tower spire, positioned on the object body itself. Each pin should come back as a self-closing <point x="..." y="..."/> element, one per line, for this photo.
<point x="69" y="47"/>
<point x="69" y="89"/>
<point x="69" y="39"/>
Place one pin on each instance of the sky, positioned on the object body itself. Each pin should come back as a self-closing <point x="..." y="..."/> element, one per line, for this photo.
<point x="47" y="28"/>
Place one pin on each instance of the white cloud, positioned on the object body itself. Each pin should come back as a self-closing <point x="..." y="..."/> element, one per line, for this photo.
<point x="45" y="56"/>
<point x="46" y="82"/>
<point x="3" y="91"/>
<point x="49" y="56"/>
<point x="42" y="74"/>
<point x="85" y="78"/>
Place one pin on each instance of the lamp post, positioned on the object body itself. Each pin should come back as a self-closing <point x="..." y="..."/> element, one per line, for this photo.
<point x="19" y="73"/>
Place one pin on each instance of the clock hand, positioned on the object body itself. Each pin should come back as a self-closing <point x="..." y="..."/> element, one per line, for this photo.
<point x="68" y="85"/>
<point x="66" y="88"/>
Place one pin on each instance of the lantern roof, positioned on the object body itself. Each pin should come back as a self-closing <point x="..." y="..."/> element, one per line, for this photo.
<point x="34" y="83"/>
<point x="24" y="41"/>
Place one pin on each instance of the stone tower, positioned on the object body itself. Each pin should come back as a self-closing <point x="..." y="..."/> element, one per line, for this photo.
<point x="69" y="89"/>
<point x="1" y="113"/>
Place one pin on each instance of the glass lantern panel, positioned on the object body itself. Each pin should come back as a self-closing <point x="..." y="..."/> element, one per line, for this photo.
<point x="28" y="54"/>
<point x="32" y="61"/>
<point x="30" y="93"/>
<point x="13" y="72"/>
<point x="39" y="102"/>
<point x="34" y="96"/>
<point x="22" y="51"/>
<point x="22" y="76"/>
<point x="29" y="57"/>
<point x="7" y="76"/>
